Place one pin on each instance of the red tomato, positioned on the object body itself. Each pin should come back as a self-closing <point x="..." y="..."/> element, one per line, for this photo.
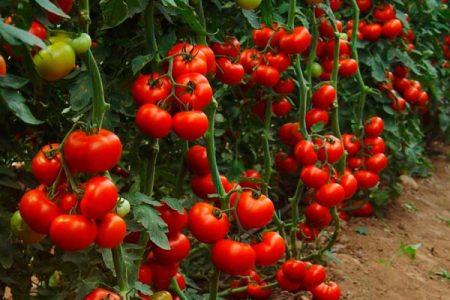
<point x="102" y="294"/>
<point x="289" y="134"/>
<point x="266" y="76"/>
<point x="257" y="291"/>
<point x="175" y="221"/>
<point x="294" y="270"/>
<point x="348" y="67"/>
<point x="197" y="160"/>
<point x="392" y="29"/>
<point x="164" y="283"/>
<point x="190" y="125"/>
<point x="305" y="153"/>
<point x="351" y="144"/>
<point x="249" y="59"/>
<point x="364" y="5"/>
<point x="92" y="153"/>
<point x="230" y="47"/>
<point x="326" y="29"/>
<point x="151" y="88"/>
<point x="350" y="185"/>
<point x="330" y="194"/>
<point x="207" y="223"/>
<point x="254" y="212"/>
<point x="285" y="284"/>
<point x="314" y="177"/>
<point x="354" y="162"/>
<point x="179" y="249"/>
<point x="371" y="32"/>
<point x="306" y="233"/>
<point x="161" y="271"/>
<point x="251" y="174"/>
<point x="228" y="72"/>
<point x="270" y="250"/>
<point x="187" y="63"/>
<point x="209" y="58"/>
<point x="281" y="107"/>
<point x="233" y="257"/>
<point x="398" y="104"/>
<point x="153" y="121"/>
<point x="401" y="84"/>
<point x="285" y="163"/>
<point x="324" y="96"/>
<point x="38" y="30"/>
<point x="366" y="179"/>
<point x="46" y="164"/>
<point x="423" y="99"/>
<point x="202" y="186"/>
<point x="193" y="90"/>
<point x="284" y="86"/>
<point x="145" y="274"/>
<point x="332" y="150"/>
<point x="317" y="215"/>
<point x="2" y="66"/>
<point x="296" y="42"/>
<point x="65" y="5"/>
<point x="315" y="116"/>
<point x="38" y="211"/>
<point x="67" y="202"/>
<point x="365" y="210"/>
<point x="100" y="197"/>
<point x="111" y="231"/>
<point x="401" y="71"/>
<point x="376" y="163"/>
<point x="375" y="145"/>
<point x="73" y="232"/>
<point x="373" y="127"/>
<point x="314" y="275"/>
<point x="411" y="94"/>
<point x="279" y="61"/>
<point x="326" y="291"/>
<point x="344" y="49"/>
<point x="384" y="12"/>
<point x="262" y="36"/>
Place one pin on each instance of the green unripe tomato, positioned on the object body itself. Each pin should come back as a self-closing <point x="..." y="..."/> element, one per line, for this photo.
<point x="60" y="37"/>
<point x="82" y="43"/>
<point x="343" y="36"/>
<point x="123" y="207"/>
<point x="163" y="295"/>
<point x="316" y="70"/>
<point x="55" y="62"/>
<point x="20" y="229"/>
<point x="248" y="4"/>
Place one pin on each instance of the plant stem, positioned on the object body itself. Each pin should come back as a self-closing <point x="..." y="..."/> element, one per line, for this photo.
<point x="150" y="37"/>
<point x="291" y="13"/>
<point x="267" y="154"/>
<point x="312" y="55"/>
<point x="230" y="292"/>
<point x="176" y="288"/>
<point x="120" y="271"/>
<point x="99" y="105"/>
<point x="295" y="216"/>
<point x="150" y="178"/>
<point x="214" y="285"/>
<point x="303" y="93"/>
<point x="181" y="171"/>
<point x="201" y="38"/>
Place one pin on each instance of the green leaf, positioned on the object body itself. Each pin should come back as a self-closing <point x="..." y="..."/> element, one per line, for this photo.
<point x="362" y="230"/>
<point x="10" y="183"/>
<point x="16" y="103"/>
<point x="138" y="198"/>
<point x="174" y="204"/>
<point x="13" y="35"/>
<point x="166" y="42"/>
<point x="410" y="250"/>
<point x="377" y="67"/>
<point x="108" y="259"/>
<point x="252" y="18"/>
<point x="156" y="228"/>
<point x="13" y="81"/>
<point x="49" y="6"/>
<point x="407" y="60"/>
<point x="114" y="12"/>
<point x="136" y="6"/>
<point x="190" y="17"/>
<point x="143" y="288"/>
<point x="81" y="92"/>
<point x="139" y="62"/>
<point x="444" y="121"/>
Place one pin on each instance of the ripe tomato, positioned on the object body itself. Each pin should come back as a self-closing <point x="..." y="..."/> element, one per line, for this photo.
<point x="250" y="206"/>
<point x="279" y="61"/>
<point x="100" y="197"/>
<point x="326" y="30"/>
<point x="281" y="107"/>
<point x="202" y="186"/>
<point x="307" y="233"/>
<point x="251" y="174"/>
<point x="351" y="144"/>
<point x="73" y="232"/>
<point x="67" y="202"/>
<point x="285" y="283"/>
<point x="257" y="291"/>
<point x="365" y="210"/>
<point x="190" y="125"/>
<point x="330" y="194"/>
<point x="366" y="179"/>
<point x="344" y="49"/>
<point x="371" y="32"/>
<point x="285" y="163"/>
<point x="151" y="88"/>
<point x="102" y="294"/>
<point x="373" y="127"/>
<point x="162" y="271"/>
<point x="20" y="229"/>
<point x="92" y="153"/>
<point x="38" y="30"/>
<point x="262" y="36"/>
<point x="289" y="134"/>
<point x="411" y="94"/>
<point x="392" y="29"/>
<point x="296" y="42"/>
<point x="248" y="4"/>
<point x="350" y="184"/>
<point x="294" y="270"/>
<point x="38" y="211"/>
<point x="46" y="164"/>
<point x="354" y="162"/>
<point x="65" y="5"/>
<point x="164" y="283"/>
<point x="324" y="96"/>
<point x="266" y="76"/>
<point x="398" y="104"/>
<point x="153" y="121"/>
<point x="332" y="150"/>
<point x="230" y="47"/>
<point x="384" y="12"/>
<point x="314" y="275"/>
<point x="348" y="67"/>
<point x="326" y="291"/>
<point x="423" y="99"/>
<point x="192" y="62"/>
<point x="305" y="153"/>
<point x="228" y="72"/>
<point x="270" y="250"/>
<point x="209" y="58"/>
<point x="233" y="257"/>
<point x="314" y="177"/>
<point x="284" y="86"/>
<point x="145" y="274"/>
<point x="193" y="90"/>
<point x="376" y="163"/>
<point x="249" y="59"/>
<point x="204" y="216"/>
<point x="197" y="160"/>
<point x="317" y="215"/>
<point x="179" y="249"/>
<point x="401" y="71"/>
<point x="401" y="84"/>
<point x="364" y="5"/>
<point x="2" y="66"/>
<point x="111" y="231"/>
<point x="315" y="116"/>
<point x="375" y="145"/>
<point x="175" y="221"/>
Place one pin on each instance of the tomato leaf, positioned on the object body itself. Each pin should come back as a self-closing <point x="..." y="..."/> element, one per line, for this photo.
<point x="377" y="66"/>
<point x="13" y="35"/>
<point x="16" y="103"/>
<point x="140" y="198"/>
<point x="13" y="81"/>
<point x="81" y="92"/>
<point x="139" y="62"/>
<point x="108" y="260"/>
<point x="166" y="42"/>
<point x="190" y="17"/>
<point x="143" y="288"/>
<point x="174" y="204"/>
<point x="114" y="12"/>
<point x="49" y="6"/>
<point x="252" y="18"/>
<point x="410" y="250"/>
<point x="156" y="228"/>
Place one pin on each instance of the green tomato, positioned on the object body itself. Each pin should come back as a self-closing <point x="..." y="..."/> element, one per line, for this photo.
<point x="163" y="295"/>
<point x="316" y="70"/>
<point x="60" y="37"/>
<point x="82" y="43"/>
<point x="123" y="207"/>
<point x="20" y="229"/>
<point x="55" y="62"/>
<point x="343" y="36"/>
<point x="248" y="4"/>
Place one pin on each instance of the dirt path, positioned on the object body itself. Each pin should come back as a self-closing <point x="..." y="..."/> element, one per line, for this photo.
<point x="369" y="267"/>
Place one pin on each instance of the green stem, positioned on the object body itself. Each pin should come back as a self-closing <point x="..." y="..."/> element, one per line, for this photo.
<point x="312" y="54"/>
<point x="280" y="225"/>
<point x="150" y="37"/>
<point x="230" y="292"/>
<point x="176" y="288"/>
<point x="303" y="93"/>
<point x="85" y="18"/>
<point x="214" y="285"/>
<point x="181" y="171"/>
<point x="295" y="216"/>
<point x="291" y="13"/>
<point x="201" y="38"/>
<point x="121" y="274"/>
<point x="150" y="180"/>
<point x="267" y="155"/>
<point x="99" y="105"/>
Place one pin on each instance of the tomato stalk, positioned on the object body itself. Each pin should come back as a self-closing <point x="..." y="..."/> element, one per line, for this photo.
<point x="151" y="166"/>
<point x="230" y="292"/>
<point x="150" y="36"/>
<point x="312" y="54"/>
<point x="121" y="273"/>
<point x="267" y="155"/>
<point x="291" y="13"/>
<point x="201" y="38"/>
<point x="176" y="288"/>
<point x="214" y="285"/>
<point x="181" y="171"/>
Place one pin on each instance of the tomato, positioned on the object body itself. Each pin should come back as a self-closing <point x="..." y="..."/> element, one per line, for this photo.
<point x="230" y="47"/>
<point x="324" y="96"/>
<point x="330" y="194"/>
<point x="209" y="58"/>
<point x="305" y="153"/>
<point x="179" y="249"/>
<point x="92" y="153"/>
<point x="2" y="66"/>
<point x="46" y="164"/>
<point x="307" y="233"/>
<point x="351" y="144"/>
<point x="111" y="231"/>
<point x="250" y="206"/>
<point x="38" y="211"/>
<point x="285" y="283"/>
<point x="197" y="160"/>
<point x="317" y="215"/>
<point x="384" y="12"/>
<point x="366" y="179"/>
<point x="372" y="32"/>
<point x="66" y="7"/>
<point x="332" y="150"/>
<point x="175" y="220"/>
<point x="314" y="275"/>
<point x="289" y="134"/>
<point x="249" y="59"/>
<point x="376" y="163"/>
<point x="285" y="163"/>
<point x="248" y="4"/>
<point x="411" y="94"/>
<point x="207" y="223"/>
<point x="315" y="116"/>
<point x="193" y="90"/>
<point x="348" y="67"/>
<point x="296" y="42"/>
<point x="364" y="210"/>
<point x="257" y="291"/>
<point x="38" y="30"/>
<point x="284" y="86"/>
<point x="392" y="29"/>
<point x="398" y="104"/>
<point x="266" y="76"/>
<point x="55" y="62"/>
<point x="67" y="202"/>
<point x="163" y="271"/>
<point x="100" y="197"/>
<point x="262" y="36"/>
<point x="279" y="61"/>
<point x="20" y="229"/>
<point x="145" y="274"/>
<point x="326" y="291"/>
<point x="163" y="295"/>
<point x="344" y="49"/>
<point x="316" y="70"/>
<point x="326" y="29"/>
<point x="151" y="88"/>
<point x="270" y="250"/>
<point x="187" y="63"/>
<point x="164" y="283"/>
<point x="364" y="5"/>
<point x="375" y="145"/>
<point x="123" y="207"/>
<point x="350" y="184"/>
<point x="294" y="270"/>
<point x="190" y="125"/>
<point x="314" y="177"/>
<point x="281" y="107"/>
<point x="73" y="232"/>
<point x="102" y="294"/>
<point x="228" y="72"/>
<point x="232" y="257"/>
<point x="251" y="174"/>
<point x="423" y="99"/>
<point x="82" y="43"/>
<point x="373" y="127"/>
<point x="202" y="186"/>
<point x="354" y="162"/>
<point x="153" y="121"/>
<point x="401" y="84"/>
